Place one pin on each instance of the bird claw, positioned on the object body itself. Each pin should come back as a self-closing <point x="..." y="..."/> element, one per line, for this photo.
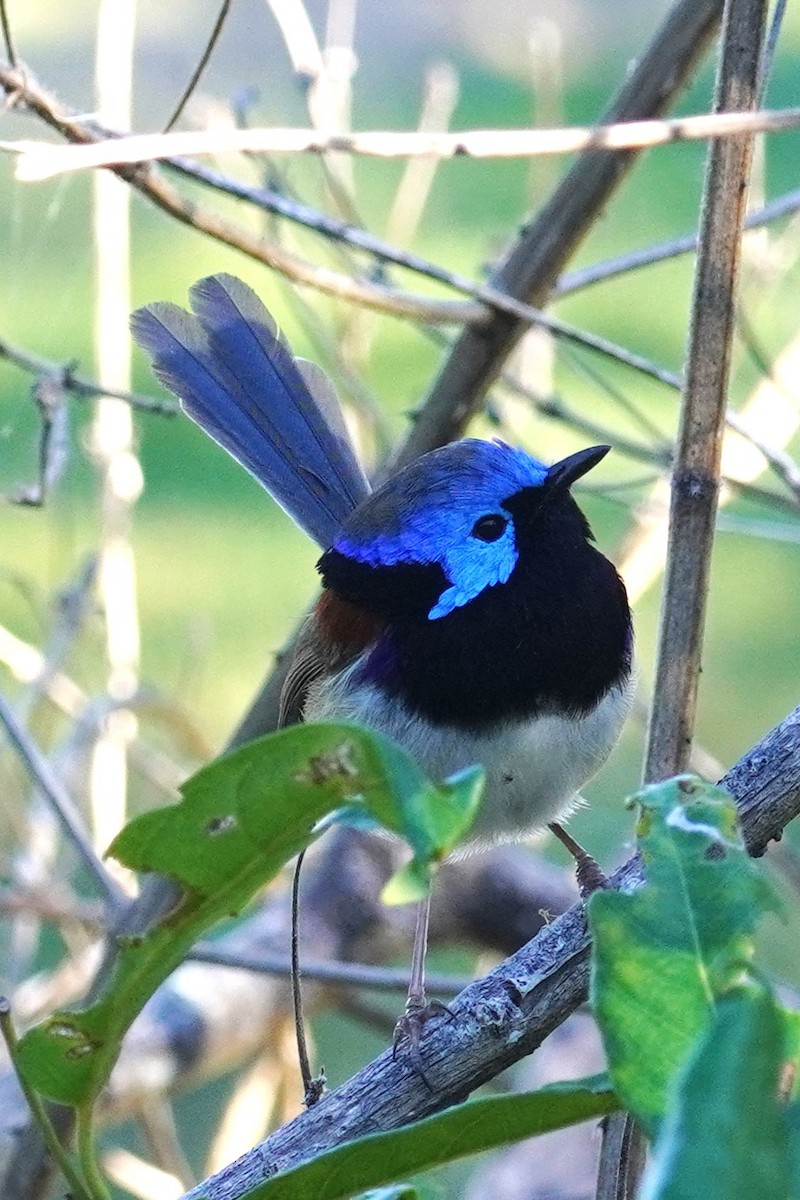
<point x="588" y="872"/>
<point x="409" y="1029"/>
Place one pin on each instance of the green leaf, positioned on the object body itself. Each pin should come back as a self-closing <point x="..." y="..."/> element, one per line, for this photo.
<point x="241" y="818"/>
<point x="726" y="1135"/>
<point x="483" y="1124"/>
<point x="664" y="954"/>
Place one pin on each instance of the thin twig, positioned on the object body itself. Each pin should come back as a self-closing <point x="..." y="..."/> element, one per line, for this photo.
<point x="610" y="268"/>
<point x="299" y="37"/>
<point x="768" y="55"/>
<point x="201" y="66"/>
<point x="77" y="385"/>
<point x="56" y="795"/>
<point x="5" y="25"/>
<point x="53" y="441"/>
<point x="343" y="974"/>
<point x="40" y="160"/>
<point x="297" y="989"/>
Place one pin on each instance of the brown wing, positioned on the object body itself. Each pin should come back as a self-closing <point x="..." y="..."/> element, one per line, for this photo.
<point x="334" y="634"/>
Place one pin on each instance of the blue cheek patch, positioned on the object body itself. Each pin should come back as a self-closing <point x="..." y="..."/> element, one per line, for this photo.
<point x="472" y="567"/>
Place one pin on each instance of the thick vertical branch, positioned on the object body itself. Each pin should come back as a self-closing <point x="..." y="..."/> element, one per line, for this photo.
<point x="695" y="479"/>
<point x="696" y="470"/>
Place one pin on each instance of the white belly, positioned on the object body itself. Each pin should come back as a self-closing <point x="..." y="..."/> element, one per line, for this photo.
<point x="534" y="769"/>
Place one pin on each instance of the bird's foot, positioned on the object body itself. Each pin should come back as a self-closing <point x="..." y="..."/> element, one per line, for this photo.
<point x="408" y="1029"/>
<point x="588" y="872"/>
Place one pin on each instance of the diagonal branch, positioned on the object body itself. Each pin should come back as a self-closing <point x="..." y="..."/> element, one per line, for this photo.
<point x="59" y="800"/>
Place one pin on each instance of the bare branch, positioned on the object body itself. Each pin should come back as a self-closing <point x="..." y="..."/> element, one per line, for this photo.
<point x="342" y="974"/>
<point x="370" y="294"/>
<point x="77" y="385"/>
<point x="584" y="277"/>
<point x="61" y="803"/>
<point x="40" y="160"/>
<point x="21" y="84"/>
<point x="208" y="50"/>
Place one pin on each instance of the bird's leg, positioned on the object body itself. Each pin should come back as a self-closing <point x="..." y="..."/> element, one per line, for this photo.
<point x="588" y="872"/>
<point x="419" y="1008"/>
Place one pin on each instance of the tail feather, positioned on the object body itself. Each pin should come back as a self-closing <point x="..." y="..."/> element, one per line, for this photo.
<point x="276" y="415"/>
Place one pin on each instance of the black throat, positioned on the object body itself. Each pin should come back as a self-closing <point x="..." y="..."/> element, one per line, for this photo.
<point x="554" y="638"/>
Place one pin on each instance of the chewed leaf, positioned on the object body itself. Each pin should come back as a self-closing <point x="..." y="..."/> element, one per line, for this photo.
<point x="241" y="818"/>
<point x="664" y="954"/>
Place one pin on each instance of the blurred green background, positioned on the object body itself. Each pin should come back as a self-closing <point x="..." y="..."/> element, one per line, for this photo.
<point x="222" y="573"/>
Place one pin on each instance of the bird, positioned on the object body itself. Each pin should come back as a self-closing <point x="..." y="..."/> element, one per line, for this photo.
<point x="465" y="611"/>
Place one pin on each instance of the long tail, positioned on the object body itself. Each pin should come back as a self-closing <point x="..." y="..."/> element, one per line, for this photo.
<point x="275" y="414"/>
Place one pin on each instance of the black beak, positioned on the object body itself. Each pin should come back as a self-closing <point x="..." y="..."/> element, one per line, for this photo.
<point x="563" y="474"/>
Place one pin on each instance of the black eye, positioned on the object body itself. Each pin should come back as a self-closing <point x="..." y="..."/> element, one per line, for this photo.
<point x="490" y="528"/>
